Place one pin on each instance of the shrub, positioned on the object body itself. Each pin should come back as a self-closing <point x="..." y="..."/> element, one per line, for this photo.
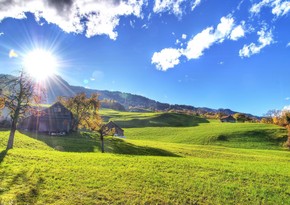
<point x="222" y="138"/>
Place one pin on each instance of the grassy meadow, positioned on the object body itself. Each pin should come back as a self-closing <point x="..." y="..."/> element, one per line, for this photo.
<point x="164" y="159"/>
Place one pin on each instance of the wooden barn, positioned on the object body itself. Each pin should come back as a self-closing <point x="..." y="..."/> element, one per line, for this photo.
<point x="55" y="119"/>
<point x="112" y="128"/>
<point x="228" y="118"/>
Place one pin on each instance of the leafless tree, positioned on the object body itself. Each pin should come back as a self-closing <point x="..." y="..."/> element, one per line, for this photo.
<point x="18" y="95"/>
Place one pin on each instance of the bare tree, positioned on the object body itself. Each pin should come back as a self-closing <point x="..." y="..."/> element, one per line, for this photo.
<point x="18" y="94"/>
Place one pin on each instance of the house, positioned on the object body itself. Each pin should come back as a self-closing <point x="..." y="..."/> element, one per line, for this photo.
<point x="54" y="119"/>
<point x="112" y="128"/>
<point x="228" y="118"/>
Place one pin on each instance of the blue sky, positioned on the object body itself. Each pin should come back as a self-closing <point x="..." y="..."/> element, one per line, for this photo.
<point x="205" y="53"/>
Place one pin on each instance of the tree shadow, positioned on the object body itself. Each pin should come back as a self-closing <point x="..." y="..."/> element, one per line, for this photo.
<point x="2" y="155"/>
<point x="90" y="142"/>
<point x="30" y="187"/>
<point x="164" y="120"/>
<point x="120" y="146"/>
<point x="73" y="142"/>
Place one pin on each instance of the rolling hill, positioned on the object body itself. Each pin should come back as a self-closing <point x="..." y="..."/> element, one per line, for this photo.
<point x="166" y="158"/>
<point x="57" y="86"/>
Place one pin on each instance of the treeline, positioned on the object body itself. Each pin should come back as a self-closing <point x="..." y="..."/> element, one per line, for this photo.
<point x="279" y="117"/>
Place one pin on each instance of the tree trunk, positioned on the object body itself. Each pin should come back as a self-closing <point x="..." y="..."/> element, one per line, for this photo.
<point x="11" y="136"/>
<point x="288" y="140"/>
<point x="102" y="143"/>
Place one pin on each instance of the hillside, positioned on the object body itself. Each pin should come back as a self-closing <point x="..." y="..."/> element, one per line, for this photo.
<point x="188" y="129"/>
<point x="56" y="86"/>
<point x="147" y="171"/>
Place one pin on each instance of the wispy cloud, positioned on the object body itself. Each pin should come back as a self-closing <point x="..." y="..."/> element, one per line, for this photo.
<point x="13" y="54"/>
<point x="287" y="98"/>
<point x="174" y="7"/>
<point x="77" y="16"/>
<point x="265" y="39"/>
<point x="288" y="45"/>
<point x="279" y="8"/>
<point x="1" y="33"/>
<point x="195" y="4"/>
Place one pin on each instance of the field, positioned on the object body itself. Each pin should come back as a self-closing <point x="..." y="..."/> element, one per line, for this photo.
<point x="164" y="159"/>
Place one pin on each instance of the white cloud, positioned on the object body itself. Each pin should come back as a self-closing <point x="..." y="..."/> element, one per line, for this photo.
<point x="279" y="8"/>
<point x="1" y="33"/>
<point x="287" y="98"/>
<point x="265" y="39"/>
<point x="206" y="38"/>
<point x="170" y="6"/>
<point x="237" y="33"/>
<point x="199" y="43"/>
<point x="288" y="45"/>
<point x="166" y="58"/>
<point x="256" y="8"/>
<point x="169" y="57"/>
<point x="77" y="16"/>
<point x="184" y="36"/>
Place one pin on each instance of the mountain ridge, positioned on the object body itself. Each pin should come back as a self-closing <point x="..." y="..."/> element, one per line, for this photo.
<point x="57" y="86"/>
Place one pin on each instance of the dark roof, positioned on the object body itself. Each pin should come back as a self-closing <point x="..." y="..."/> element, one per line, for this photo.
<point x="111" y="125"/>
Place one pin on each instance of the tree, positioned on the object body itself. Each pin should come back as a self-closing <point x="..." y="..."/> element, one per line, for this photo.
<point x="240" y="117"/>
<point x="286" y="115"/>
<point x="85" y="111"/>
<point x="19" y="95"/>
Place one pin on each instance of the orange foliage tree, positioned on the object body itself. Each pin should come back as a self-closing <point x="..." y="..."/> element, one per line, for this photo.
<point x="85" y="111"/>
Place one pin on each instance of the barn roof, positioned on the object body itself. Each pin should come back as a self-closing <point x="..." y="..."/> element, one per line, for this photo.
<point x="111" y="125"/>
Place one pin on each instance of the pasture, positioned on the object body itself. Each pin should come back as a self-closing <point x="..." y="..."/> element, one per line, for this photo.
<point x="191" y="161"/>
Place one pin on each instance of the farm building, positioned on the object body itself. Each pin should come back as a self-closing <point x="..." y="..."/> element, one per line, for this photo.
<point x="228" y="118"/>
<point x="54" y="119"/>
<point x="112" y="128"/>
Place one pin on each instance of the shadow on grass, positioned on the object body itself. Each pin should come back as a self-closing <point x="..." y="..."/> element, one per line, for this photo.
<point x="120" y="146"/>
<point x="90" y="142"/>
<point x="257" y="139"/>
<point x="73" y="142"/>
<point x="2" y="155"/>
<point x="31" y="186"/>
<point x="164" y="120"/>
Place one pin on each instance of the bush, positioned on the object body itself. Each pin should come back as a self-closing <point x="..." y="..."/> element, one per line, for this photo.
<point x="222" y="138"/>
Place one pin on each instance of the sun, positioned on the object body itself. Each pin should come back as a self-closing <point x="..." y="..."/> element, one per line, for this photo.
<point x="40" y="64"/>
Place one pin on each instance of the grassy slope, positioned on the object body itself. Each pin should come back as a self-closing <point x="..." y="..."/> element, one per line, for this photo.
<point x="179" y="128"/>
<point x="208" y="176"/>
<point x="241" y="135"/>
<point x="176" y="173"/>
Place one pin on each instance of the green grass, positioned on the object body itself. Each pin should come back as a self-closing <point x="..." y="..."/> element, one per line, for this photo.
<point x="136" y="119"/>
<point x="242" y="135"/>
<point x="191" y="161"/>
<point x="51" y="177"/>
